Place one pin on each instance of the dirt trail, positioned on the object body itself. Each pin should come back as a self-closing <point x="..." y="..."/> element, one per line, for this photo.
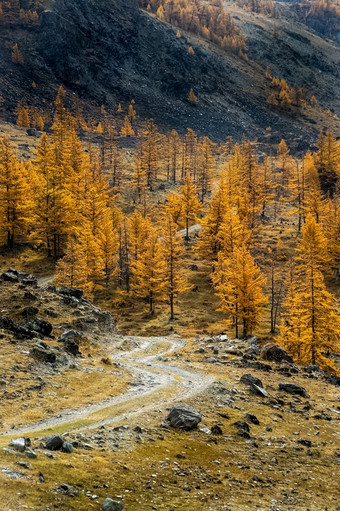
<point x="163" y="383"/>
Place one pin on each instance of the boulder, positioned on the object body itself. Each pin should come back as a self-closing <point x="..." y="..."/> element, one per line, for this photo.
<point x="54" y="443"/>
<point x="71" y="346"/>
<point x="252" y="418"/>
<point x="10" y="276"/>
<point x="249" y="379"/>
<point x="333" y="379"/>
<point x="112" y="505"/>
<point x="67" y="447"/>
<point x="259" y="391"/>
<point x="41" y="327"/>
<point x="70" y="334"/>
<point x="184" y="417"/>
<point x="19" y="444"/>
<point x="70" y="291"/>
<point x="39" y="352"/>
<point x="28" y="280"/>
<point x="31" y="132"/>
<point x="34" y="328"/>
<point x="216" y="430"/>
<point x="292" y="388"/>
<point x="243" y="429"/>
<point x="275" y="353"/>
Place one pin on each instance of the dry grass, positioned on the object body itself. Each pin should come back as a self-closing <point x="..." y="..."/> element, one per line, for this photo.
<point x="166" y="469"/>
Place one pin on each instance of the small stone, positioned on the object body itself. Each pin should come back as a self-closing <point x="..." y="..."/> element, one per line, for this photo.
<point x="112" y="505"/>
<point x="67" y="447"/>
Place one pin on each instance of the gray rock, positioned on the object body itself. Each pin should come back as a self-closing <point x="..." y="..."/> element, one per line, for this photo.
<point x="67" y="447"/>
<point x="105" y="318"/>
<point x="112" y="505"/>
<point x="19" y="444"/>
<point x="292" y="388"/>
<point x="70" y="334"/>
<point x="259" y="391"/>
<point x="68" y="489"/>
<point x="43" y="354"/>
<point x="184" y="417"/>
<point x="31" y="454"/>
<point x="275" y="353"/>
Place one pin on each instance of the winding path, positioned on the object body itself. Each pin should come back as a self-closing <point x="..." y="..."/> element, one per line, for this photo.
<point x="159" y="384"/>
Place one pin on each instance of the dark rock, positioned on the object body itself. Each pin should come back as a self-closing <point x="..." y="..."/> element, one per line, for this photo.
<point x="112" y="505"/>
<point x="275" y="353"/>
<point x="333" y="379"/>
<point x="35" y="327"/>
<point x="54" y="443"/>
<point x="8" y="276"/>
<point x="292" y="388"/>
<point x="306" y="443"/>
<point x="194" y="267"/>
<point x="184" y="417"/>
<point x="243" y="429"/>
<point x="71" y="347"/>
<point x="6" y="323"/>
<point x="29" y="312"/>
<point x="216" y="430"/>
<point x="259" y="391"/>
<point x="31" y="132"/>
<point x="252" y="418"/>
<point x="42" y="354"/>
<point x="70" y="291"/>
<point x="249" y="379"/>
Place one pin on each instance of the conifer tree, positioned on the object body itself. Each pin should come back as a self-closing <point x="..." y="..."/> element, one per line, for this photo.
<point x="190" y="205"/>
<point x="127" y="130"/>
<point x="14" y="196"/>
<point x="108" y="246"/>
<point x="150" y="151"/>
<point x="209" y="242"/>
<point x="239" y="285"/>
<point x="311" y="322"/>
<point x="23" y="116"/>
<point x="149" y="271"/>
<point x="172" y="250"/>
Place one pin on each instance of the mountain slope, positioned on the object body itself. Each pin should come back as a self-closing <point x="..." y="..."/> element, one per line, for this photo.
<point x="109" y="52"/>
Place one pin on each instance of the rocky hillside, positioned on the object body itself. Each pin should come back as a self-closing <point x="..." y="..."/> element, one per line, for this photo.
<point x="110" y="52"/>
